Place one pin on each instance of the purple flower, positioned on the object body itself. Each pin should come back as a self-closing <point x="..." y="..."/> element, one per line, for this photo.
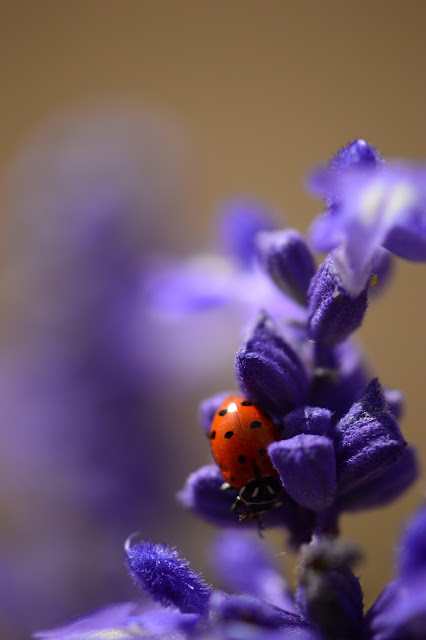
<point x="327" y="605"/>
<point x="83" y="207"/>
<point x="327" y="460"/>
<point x="370" y="205"/>
<point x="235" y="276"/>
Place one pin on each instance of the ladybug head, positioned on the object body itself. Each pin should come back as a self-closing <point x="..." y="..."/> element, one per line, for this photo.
<point x="261" y="491"/>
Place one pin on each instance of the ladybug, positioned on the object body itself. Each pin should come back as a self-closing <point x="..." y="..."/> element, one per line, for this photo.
<point x="239" y="436"/>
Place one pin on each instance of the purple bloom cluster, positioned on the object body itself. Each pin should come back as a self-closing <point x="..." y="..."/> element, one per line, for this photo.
<point x="339" y="445"/>
<point x="339" y="436"/>
<point x="328" y="603"/>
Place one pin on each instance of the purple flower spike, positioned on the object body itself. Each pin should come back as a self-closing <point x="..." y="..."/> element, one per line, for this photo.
<point x="368" y="440"/>
<point x="369" y="208"/>
<point x="286" y="257"/>
<point x="309" y="420"/>
<point x="333" y="313"/>
<point x="307" y="468"/>
<point x="270" y="372"/>
<point x="160" y="571"/>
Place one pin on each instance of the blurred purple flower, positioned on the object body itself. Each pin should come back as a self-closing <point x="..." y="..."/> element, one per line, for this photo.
<point x="83" y="205"/>
<point x="369" y="205"/>
<point x="231" y="278"/>
<point x="328" y="603"/>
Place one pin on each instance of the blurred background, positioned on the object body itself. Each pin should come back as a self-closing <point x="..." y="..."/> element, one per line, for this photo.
<point x="123" y="127"/>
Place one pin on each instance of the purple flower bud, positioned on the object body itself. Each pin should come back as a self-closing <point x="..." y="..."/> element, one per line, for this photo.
<point x="355" y="154"/>
<point x="385" y="488"/>
<point x="330" y="595"/>
<point x="160" y="571"/>
<point x="307" y="468"/>
<point x="270" y="372"/>
<point x="309" y="420"/>
<point x="286" y="257"/>
<point x="368" y="440"/>
<point x="333" y="313"/>
<point x="202" y="494"/>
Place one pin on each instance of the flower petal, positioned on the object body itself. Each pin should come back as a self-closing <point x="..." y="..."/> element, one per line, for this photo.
<point x="333" y="312"/>
<point x="412" y="552"/>
<point x="307" y="420"/>
<point x="270" y="372"/>
<point x="240" y="220"/>
<point x="226" y="607"/>
<point x="368" y="440"/>
<point x="400" y="611"/>
<point x="158" y="569"/>
<point x="385" y="488"/>
<point x="286" y="257"/>
<point x="307" y="468"/>
<point x="330" y="595"/>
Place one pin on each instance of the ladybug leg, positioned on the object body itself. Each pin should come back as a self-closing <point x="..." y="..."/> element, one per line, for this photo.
<point x="236" y="505"/>
<point x="260" y="527"/>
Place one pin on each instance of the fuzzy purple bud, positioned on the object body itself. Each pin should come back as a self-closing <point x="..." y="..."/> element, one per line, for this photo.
<point x="330" y="595"/>
<point x="307" y="468"/>
<point x="368" y="440"/>
<point x="333" y="313"/>
<point x="309" y="420"/>
<point x="286" y="257"/>
<point x="270" y="372"/>
<point x="159" y="570"/>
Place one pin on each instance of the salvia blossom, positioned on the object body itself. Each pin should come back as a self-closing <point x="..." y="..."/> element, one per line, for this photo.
<point x="328" y="603"/>
<point x="82" y="205"/>
<point x="370" y="204"/>
<point x="338" y="445"/>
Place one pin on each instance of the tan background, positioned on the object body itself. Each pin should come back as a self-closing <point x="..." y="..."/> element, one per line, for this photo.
<point x="263" y="91"/>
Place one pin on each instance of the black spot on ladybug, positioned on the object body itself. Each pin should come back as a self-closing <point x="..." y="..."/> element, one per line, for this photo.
<point x="242" y="459"/>
<point x="262" y="452"/>
<point x="256" y="424"/>
<point x="223" y="412"/>
<point x="220" y="465"/>
<point x="229" y="434"/>
<point x="212" y="435"/>
<point x="246" y="403"/>
<point x="232" y="479"/>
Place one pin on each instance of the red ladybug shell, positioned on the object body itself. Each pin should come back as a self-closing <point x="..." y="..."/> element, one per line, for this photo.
<point x="239" y="436"/>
